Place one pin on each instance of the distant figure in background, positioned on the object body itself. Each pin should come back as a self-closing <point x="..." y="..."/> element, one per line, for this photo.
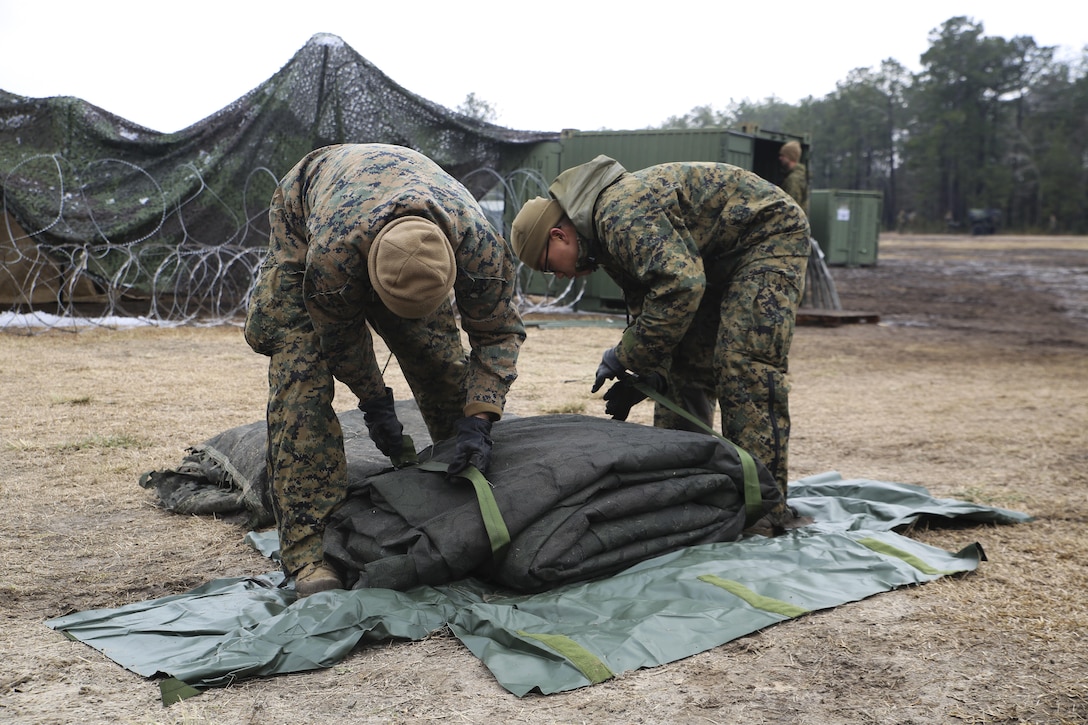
<point x="795" y="183"/>
<point x="950" y="221"/>
<point x="374" y="237"/>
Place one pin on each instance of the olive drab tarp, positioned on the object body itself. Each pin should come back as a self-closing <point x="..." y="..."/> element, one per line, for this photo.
<point x="137" y="209"/>
<point x="658" y="611"/>
<point x="573" y="497"/>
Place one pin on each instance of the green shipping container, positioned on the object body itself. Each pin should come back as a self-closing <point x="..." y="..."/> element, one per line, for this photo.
<point x="847" y="225"/>
<point x="749" y="148"/>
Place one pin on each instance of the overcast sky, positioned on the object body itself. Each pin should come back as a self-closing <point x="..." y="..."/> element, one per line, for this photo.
<point x="587" y="64"/>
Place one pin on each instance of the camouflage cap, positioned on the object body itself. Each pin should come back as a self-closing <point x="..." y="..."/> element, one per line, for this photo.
<point x="529" y="232"/>
<point x="411" y="266"/>
<point x="791" y="150"/>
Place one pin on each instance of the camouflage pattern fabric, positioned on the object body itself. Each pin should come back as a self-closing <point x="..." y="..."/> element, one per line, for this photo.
<point x="796" y="185"/>
<point x="711" y="259"/>
<point x="324" y="216"/>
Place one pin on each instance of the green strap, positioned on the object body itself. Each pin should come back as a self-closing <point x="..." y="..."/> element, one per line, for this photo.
<point x="408" y="456"/>
<point x="497" y="532"/>
<point x="882" y="547"/>
<point x="767" y="604"/>
<point x="753" y="499"/>
<point x="587" y="663"/>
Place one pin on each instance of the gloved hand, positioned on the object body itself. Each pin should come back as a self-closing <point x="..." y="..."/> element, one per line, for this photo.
<point x="473" y="445"/>
<point x="381" y="420"/>
<point x="610" y="367"/>
<point x="623" y="396"/>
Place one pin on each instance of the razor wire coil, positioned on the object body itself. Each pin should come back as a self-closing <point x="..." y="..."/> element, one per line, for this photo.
<point x="48" y="286"/>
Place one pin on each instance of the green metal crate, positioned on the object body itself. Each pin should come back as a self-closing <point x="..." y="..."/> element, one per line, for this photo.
<point x="846" y="223"/>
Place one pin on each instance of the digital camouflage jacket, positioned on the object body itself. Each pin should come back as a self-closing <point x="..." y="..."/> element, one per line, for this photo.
<point x="796" y="185"/>
<point x="663" y="232"/>
<point x="333" y="204"/>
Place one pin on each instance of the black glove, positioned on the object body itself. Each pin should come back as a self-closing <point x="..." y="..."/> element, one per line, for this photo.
<point x="623" y="396"/>
<point x="610" y="367"/>
<point x="381" y="420"/>
<point x="473" y="445"/>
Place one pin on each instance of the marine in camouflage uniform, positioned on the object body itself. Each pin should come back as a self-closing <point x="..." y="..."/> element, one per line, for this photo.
<point x="315" y="303"/>
<point x="795" y="182"/>
<point x="711" y="259"/>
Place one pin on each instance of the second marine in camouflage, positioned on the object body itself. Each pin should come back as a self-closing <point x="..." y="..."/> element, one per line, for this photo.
<point x="374" y="236"/>
<point x="711" y="259"/>
<point x="795" y="179"/>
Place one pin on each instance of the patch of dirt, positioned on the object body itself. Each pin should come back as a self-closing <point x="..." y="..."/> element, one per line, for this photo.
<point x="972" y="385"/>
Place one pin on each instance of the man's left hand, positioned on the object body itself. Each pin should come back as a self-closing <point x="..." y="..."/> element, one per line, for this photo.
<point x="380" y="415"/>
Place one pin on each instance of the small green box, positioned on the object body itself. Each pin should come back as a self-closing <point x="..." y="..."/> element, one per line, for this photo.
<point x="847" y="225"/>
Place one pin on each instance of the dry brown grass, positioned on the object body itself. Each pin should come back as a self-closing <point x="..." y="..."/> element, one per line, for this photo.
<point x="973" y="385"/>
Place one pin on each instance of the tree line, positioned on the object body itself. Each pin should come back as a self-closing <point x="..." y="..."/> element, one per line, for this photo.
<point x="987" y="124"/>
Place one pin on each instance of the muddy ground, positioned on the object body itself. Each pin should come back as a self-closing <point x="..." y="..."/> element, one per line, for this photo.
<point x="973" y="384"/>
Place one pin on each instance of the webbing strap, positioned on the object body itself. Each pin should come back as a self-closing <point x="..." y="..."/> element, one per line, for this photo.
<point x="408" y="455"/>
<point x="587" y="663"/>
<point x="753" y="499"/>
<point x="497" y="532"/>
<point x="882" y="547"/>
<point x="767" y="604"/>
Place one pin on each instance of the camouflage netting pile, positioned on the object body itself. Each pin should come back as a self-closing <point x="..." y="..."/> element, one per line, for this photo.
<point x="173" y="225"/>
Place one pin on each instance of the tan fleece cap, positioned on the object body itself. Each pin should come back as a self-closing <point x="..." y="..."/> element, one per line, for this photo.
<point x="411" y="266"/>
<point x="529" y="232"/>
<point x="791" y="150"/>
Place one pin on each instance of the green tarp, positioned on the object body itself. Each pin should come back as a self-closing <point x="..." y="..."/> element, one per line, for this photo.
<point x="654" y="612"/>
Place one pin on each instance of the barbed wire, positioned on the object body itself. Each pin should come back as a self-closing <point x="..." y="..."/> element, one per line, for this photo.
<point x="46" y="286"/>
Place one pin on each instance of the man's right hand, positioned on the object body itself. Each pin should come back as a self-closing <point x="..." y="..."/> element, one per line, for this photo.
<point x="623" y="395"/>
<point x="610" y="368"/>
<point x="385" y="428"/>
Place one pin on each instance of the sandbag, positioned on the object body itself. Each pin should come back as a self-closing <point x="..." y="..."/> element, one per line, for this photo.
<point x="226" y="475"/>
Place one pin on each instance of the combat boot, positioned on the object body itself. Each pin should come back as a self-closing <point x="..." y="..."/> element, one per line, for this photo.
<point x="314" y="578"/>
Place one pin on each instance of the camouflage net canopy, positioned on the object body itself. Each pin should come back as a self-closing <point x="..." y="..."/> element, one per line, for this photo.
<point x="108" y="218"/>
